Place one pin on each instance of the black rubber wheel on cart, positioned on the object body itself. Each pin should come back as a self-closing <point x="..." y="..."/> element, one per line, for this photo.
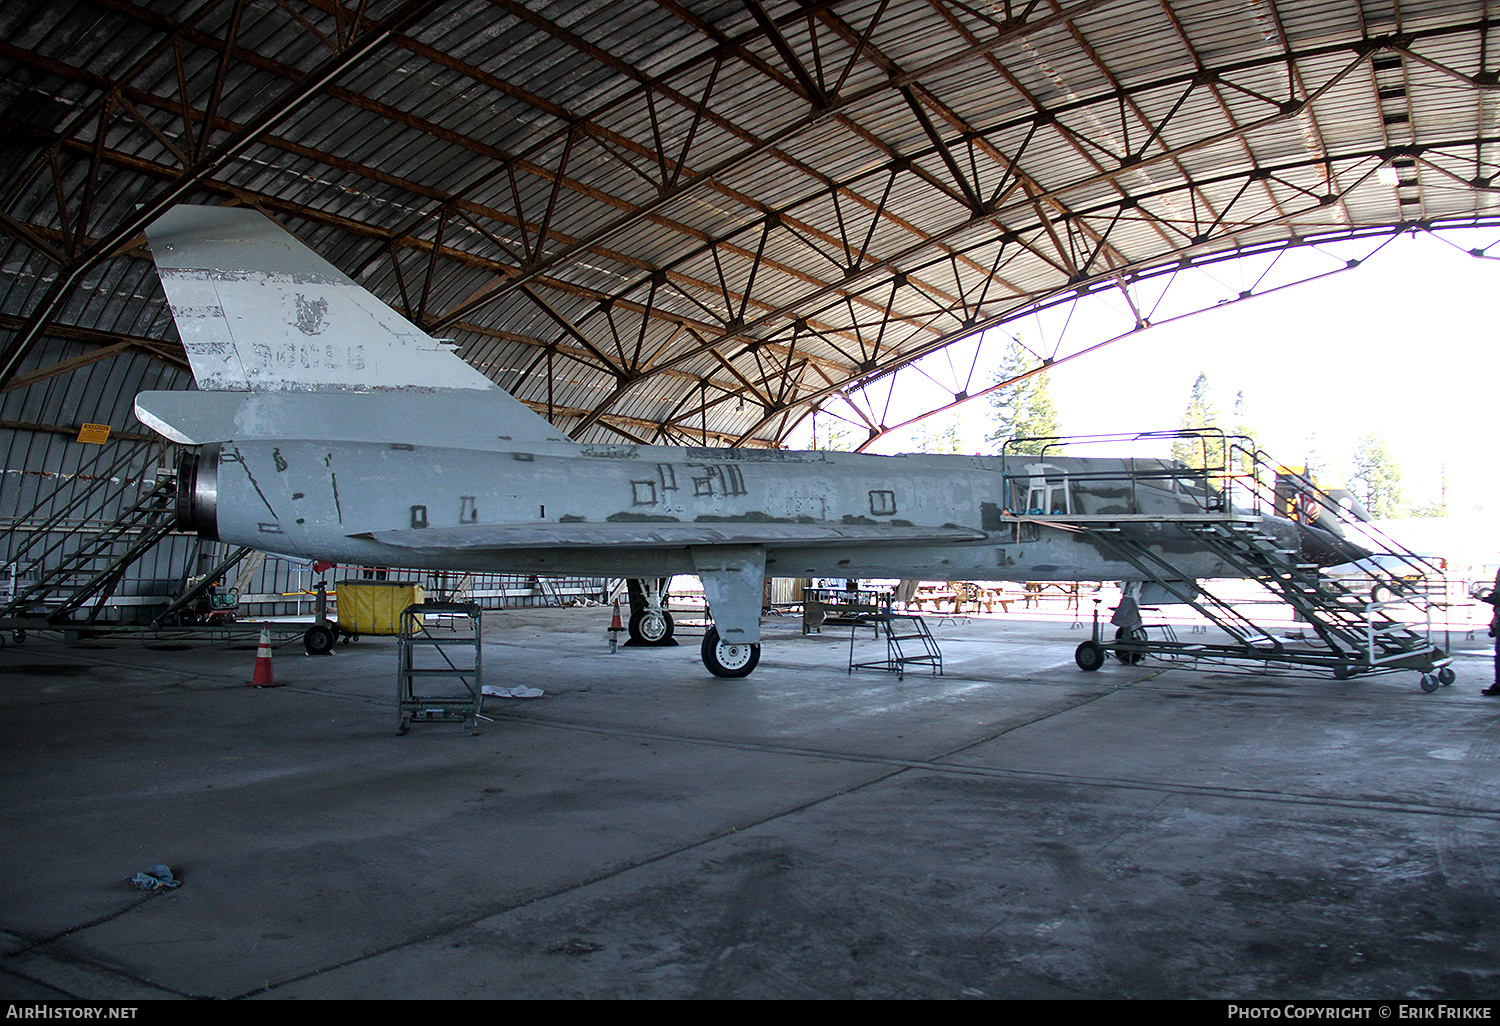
<point x="1089" y="656"/>
<point x="1445" y="675"/>
<point x="1429" y="683"/>
<point x="318" y="640"/>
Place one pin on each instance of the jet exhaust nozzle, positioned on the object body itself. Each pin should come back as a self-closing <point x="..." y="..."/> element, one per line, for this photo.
<point x="198" y="492"/>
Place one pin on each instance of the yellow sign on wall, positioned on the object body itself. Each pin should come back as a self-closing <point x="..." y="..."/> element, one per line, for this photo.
<point x="98" y="434"/>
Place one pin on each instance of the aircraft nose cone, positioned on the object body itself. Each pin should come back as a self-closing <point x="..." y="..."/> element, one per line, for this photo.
<point x="1327" y="549"/>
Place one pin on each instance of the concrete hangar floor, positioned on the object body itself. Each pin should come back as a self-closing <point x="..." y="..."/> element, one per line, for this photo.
<point x="1016" y="828"/>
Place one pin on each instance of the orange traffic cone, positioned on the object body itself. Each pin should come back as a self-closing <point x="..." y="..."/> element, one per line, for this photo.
<point x="264" y="678"/>
<point x="615" y="627"/>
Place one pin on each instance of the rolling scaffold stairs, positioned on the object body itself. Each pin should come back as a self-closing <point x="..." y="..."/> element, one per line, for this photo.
<point x="1374" y="617"/>
<point x="77" y="563"/>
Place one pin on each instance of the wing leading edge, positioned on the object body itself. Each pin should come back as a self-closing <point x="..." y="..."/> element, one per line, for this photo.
<point x="482" y="537"/>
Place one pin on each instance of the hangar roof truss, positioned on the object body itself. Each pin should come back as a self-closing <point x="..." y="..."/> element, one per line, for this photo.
<point x="674" y="220"/>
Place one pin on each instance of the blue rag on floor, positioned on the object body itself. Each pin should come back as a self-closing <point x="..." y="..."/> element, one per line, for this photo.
<point x="157" y="878"/>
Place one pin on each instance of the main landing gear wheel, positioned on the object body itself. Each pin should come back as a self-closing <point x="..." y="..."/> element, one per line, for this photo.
<point x="726" y="658"/>
<point x="1130" y="634"/>
<point x="318" y="640"/>
<point x="651" y="627"/>
<point x="1089" y="656"/>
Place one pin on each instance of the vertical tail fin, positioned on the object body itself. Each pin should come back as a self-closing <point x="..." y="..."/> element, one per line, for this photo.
<point x="258" y="311"/>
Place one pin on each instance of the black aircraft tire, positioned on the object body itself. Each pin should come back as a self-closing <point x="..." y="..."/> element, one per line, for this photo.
<point x="651" y="627"/>
<point x="318" y="640"/>
<point x="724" y="659"/>
<point x="1089" y="656"/>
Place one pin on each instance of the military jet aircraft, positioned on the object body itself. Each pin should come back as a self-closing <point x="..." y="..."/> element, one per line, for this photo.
<point x="327" y="427"/>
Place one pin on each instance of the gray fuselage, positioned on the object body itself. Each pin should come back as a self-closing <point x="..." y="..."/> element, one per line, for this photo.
<point x="561" y="508"/>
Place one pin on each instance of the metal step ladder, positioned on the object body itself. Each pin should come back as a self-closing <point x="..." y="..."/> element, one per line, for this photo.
<point x="548" y="589"/>
<point x="96" y="484"/>
<point x="1358" y="635"/>
<point x="908" y="642"/>
<point x="1344" y="619"/>
<point x="1383" y="624"/>
<point x="97" y="562"/>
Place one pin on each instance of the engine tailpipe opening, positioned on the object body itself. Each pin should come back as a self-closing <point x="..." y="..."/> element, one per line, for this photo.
<point x="198" y="492"/>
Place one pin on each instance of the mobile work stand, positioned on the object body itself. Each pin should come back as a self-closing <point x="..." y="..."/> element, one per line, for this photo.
<point x="907" y="642"/>
<point x="1369" y="602"/>
<point x="437" y="656"/>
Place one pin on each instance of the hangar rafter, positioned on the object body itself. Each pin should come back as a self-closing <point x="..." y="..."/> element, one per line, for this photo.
<point x="672" y="219"/>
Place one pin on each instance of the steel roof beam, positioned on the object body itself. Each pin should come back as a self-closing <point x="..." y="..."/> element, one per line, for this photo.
<point x="995" y="217"/>
<point x="108" y="343"/>
<point x="69" y="277"/>
<point x="770" y="318"/>
<point x="36" y="236"/>
<point x="728" y="164"/>
<point x="1043" y="302"/>
<point x="1287" y="109"/>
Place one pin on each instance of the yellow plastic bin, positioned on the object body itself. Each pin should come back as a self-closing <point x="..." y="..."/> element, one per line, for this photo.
<point x="374" y="607"/>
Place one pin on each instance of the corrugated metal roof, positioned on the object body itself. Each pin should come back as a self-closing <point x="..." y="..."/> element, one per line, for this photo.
<point x="706" y="219"/>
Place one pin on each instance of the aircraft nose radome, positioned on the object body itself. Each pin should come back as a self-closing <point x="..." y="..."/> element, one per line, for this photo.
<point x="1327" y="549"/>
